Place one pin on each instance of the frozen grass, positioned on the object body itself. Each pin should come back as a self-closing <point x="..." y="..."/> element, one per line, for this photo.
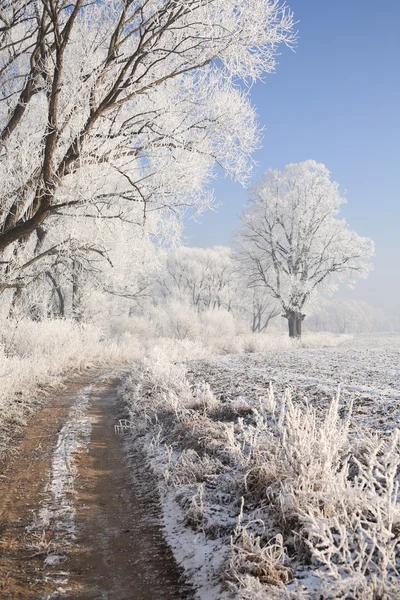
<point x="34" y="356"/>
<point x="258" y="343"/>
<point x="296" y="503"/>
<point x="205" y="347"/>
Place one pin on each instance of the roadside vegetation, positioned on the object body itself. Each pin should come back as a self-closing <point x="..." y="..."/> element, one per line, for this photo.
<point x="265" y="496"/>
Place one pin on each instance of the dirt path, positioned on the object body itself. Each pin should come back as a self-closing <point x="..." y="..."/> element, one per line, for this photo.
<point x="75" y="520"/>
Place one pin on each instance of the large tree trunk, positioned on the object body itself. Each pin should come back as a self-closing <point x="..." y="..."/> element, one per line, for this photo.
<point x="295" y="320"/>
<point x="299" y="320"/>
<point x="291" y="317"/>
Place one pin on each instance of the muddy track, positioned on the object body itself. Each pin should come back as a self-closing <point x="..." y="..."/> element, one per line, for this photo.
<point x="76" y="521"/>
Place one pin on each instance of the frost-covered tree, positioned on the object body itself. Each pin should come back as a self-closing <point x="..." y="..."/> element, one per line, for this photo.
<point x="203" y="277"/>
<point x="292" y="241"/>
<point x="210" y="279"/>
<point x="258" y="302"/>
<point x="121" y="108"/>
<point x="347" y="316"/>
<point x="85" y="269"/>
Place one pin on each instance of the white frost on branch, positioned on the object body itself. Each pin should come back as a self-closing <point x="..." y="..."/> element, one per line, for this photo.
<point x="138" y="100"/>
<point x="292" y="241"/>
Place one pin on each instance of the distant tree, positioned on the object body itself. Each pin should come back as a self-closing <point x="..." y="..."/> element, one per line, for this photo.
<point x="117" y="109"/>
<point x="205" y="278"/>
<point x="262" y="306"/>
<point x="210" y="279"/>
<point x="347" y="316"/>
<point x="292" y="242"/>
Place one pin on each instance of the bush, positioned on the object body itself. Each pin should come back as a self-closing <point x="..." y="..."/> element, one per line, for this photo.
<point x="314" y="496"/>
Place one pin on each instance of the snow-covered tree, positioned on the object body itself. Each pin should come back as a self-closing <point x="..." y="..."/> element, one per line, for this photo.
<point x="258" y="302"/>
<point x="210" y="279"/>
<point x="292" y="241"/>
<point x="87" y="269"/>
<point x="347" y="316"/>
<point x="122" y="108"/>
<point x="203" y="277"/>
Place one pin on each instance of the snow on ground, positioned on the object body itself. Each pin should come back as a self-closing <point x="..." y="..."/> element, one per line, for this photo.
<point x="201" y="558"/>
<point x="237" y="466"/>
<point x="365" y="369"/>
<point x="73" y="438"/>
<point x="57" y="513"/>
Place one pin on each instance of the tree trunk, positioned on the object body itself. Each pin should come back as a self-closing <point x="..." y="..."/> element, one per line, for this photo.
<point x="76" y="300"/>
<point x="291" y="317"/>
<point x="299" y="320"/>
<point x="266" y="323"/>
<point x="60" y="309"/>
<point x="295" y="320"/>
<point x="15" y="303"/>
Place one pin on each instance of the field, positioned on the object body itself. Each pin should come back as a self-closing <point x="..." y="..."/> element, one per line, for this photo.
<point x="278" y="471"/>
<point x="365" y="370"/>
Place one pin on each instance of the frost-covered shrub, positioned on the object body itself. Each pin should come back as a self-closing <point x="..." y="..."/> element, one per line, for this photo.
<point x="203" y="399"/>
<point x="194" y="508"/>
<point x="54" y="340"/>
<point x="192" y="468"/>
<point x="217" y="323"/>
<point x="358" y="542"/>
<point x="300" y="463"/>
<point x="207" y="437"/>
<point x="175" y="319"/>
<point x="317" y="496"/>
<point x="253" y="559"/>
<point x="181" y="321"/>
<point x="175" y="350"/>
<point x="36" y="354"/>
<point x="159" y="387"/>
<point x="135" y="325"/>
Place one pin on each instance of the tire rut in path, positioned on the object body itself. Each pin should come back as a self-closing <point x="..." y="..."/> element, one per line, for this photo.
<point x="121" y="552"/>
<point x="23" y="478"/>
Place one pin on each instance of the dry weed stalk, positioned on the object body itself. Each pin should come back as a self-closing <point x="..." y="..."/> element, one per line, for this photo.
<point x="316" y="487"/>
<point x="250" y="557"/>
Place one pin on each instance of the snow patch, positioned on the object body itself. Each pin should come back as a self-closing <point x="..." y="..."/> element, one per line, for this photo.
<point x="201" y="558"/>
<point x="52" y="559"/>
<point x="58" y="512"/>
<point x="73" y="438"/>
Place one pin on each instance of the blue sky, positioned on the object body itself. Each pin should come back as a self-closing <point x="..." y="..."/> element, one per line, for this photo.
<point x="336" y="100"/>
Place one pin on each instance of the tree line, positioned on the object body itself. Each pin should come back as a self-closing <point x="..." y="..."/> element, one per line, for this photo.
<point x="113" y="118"/>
